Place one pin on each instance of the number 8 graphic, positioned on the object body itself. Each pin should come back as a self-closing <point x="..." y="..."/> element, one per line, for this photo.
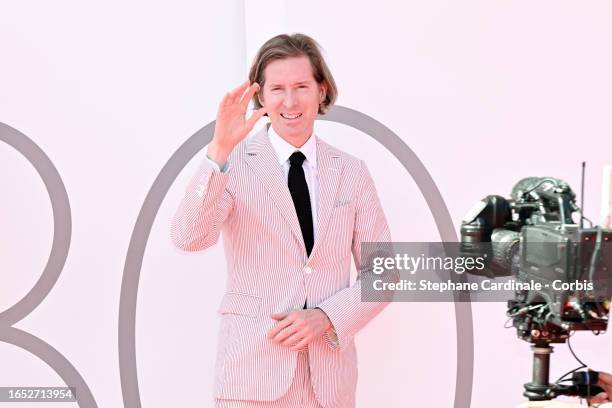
<point x="62" y="230"/>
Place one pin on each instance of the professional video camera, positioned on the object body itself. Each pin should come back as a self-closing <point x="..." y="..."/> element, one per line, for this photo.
<point x="533" y="237"/>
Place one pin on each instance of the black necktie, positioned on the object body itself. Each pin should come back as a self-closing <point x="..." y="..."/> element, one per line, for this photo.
<point x="301" y="198"/>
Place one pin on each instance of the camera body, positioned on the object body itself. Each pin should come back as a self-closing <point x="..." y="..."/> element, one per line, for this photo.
<point x="533" y="237"/>
<point x="575" y="290"/>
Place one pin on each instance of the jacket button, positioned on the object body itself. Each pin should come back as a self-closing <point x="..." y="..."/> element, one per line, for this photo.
<point x="308" y="270"/>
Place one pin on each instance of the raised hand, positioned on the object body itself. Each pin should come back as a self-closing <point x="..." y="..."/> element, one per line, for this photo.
<point x="231" y="125"/>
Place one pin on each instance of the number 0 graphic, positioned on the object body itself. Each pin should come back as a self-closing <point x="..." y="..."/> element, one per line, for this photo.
<point x="161" y="185"/>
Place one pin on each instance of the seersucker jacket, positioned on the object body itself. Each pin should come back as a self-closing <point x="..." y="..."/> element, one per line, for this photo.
<point x="269" y="271"/>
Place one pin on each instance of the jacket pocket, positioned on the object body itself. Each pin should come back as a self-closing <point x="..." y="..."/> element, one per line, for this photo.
<point x="342" y="203"/>
<point x="241" y="304"/>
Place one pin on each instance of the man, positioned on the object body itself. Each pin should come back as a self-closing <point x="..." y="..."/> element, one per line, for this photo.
<point x="292" y="209"/>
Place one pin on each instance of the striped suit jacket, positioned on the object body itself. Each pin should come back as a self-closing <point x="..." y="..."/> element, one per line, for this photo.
<point x="269" y="270"/>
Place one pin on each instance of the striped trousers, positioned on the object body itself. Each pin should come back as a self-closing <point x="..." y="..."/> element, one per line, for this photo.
<point x="299" y="395"/>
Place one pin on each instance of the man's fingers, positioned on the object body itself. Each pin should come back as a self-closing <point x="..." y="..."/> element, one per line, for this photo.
<point x="605" y="379"/>
<point x="599" y="398"/>
<point x="255" y="117"/>
<point x="284" y="333"/>
<point x="248" y="94"/>
<point x="301" y="344"/>
<point x="225" y="101"/>
<point x="279" y="326"/>
<point x="237" y="92"/>
<point x="292" y="339"/>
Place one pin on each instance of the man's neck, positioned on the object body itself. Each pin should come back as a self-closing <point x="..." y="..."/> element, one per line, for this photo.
<point x="295" y="141"/>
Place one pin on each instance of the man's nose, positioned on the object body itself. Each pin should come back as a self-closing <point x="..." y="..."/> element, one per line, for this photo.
<point x="290" y="99"/>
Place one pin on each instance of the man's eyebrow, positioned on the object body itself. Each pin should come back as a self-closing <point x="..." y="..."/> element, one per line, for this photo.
<point x="304" y="82"/>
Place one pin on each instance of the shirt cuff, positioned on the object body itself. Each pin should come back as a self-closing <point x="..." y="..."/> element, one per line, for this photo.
<point x="330" y="335"/>
<point x="216" y="166"/>
<point x="331" y="338"/>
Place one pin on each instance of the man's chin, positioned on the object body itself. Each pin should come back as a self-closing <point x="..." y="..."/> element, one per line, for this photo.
<point x="293" y="133"/>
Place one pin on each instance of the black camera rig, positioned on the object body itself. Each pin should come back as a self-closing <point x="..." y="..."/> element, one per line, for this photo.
<point x="533" y="237"/>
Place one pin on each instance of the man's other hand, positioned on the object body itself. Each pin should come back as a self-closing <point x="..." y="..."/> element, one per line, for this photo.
<point x="299" y="328"/>
<point x="605" y="382"/>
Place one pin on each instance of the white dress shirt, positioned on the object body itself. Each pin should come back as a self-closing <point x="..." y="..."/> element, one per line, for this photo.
<point x="284" y="150"/>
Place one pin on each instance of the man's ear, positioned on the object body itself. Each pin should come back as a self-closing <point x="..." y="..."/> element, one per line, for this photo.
<point x="260" y="98"/>
<point x="322" y="93"/>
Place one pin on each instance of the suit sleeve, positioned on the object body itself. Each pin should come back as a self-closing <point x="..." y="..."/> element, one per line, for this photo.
<point x="345" y="309"/>
<point x="204" y="208"/>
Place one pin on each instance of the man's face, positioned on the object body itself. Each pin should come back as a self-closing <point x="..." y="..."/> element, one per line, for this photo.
<point x="291" y="96"/>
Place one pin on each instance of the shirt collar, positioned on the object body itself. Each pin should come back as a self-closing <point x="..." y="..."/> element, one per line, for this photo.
<point x="284" y="149"/>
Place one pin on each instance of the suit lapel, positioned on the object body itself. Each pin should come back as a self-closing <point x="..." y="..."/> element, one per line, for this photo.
<point x="328" y="168"/>
<point x="262" y="159"/>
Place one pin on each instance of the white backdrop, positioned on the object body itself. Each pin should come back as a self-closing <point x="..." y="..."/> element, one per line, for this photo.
<point x="484" y="92"/>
